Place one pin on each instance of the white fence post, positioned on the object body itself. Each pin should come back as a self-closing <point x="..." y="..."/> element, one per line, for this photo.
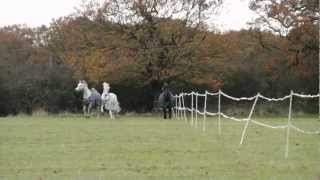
<point x="176" y="108"/>
<point x="181" y="108"/>
<point x="204" y="112"/>
<point x="184" y="108"/>
<point x="219" y="112"/>
<point x="173" y="108"/>
<point x="192" y="109"/>
<point x="289" y="125"/>
<point x="249" y="119"/>
<point x="196" y="123"/>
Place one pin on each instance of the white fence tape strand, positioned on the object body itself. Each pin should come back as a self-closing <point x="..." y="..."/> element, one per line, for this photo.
<point x="304" y="131"/>
<point x="306" y="96"/>
<point x="274" y="99"/>
<point x="269" y="126"/>
<point x="238" y="99"/>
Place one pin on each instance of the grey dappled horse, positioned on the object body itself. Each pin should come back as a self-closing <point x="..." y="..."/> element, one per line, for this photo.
<point x="91" y="97"/>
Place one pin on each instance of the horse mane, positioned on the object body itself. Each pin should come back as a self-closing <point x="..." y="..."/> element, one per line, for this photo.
<point x="93" y="90"/>
<point x="84" y="82"/>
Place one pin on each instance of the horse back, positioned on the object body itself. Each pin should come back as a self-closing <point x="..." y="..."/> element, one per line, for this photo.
<point x="109" y="96"/>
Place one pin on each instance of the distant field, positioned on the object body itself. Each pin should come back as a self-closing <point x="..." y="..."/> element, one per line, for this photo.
<point x="146" y="147"/>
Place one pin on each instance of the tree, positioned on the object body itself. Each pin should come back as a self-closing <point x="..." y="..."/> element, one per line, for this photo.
<point x="152" y="42"/>
<point x="29" y="76"/>
<point x="296" y="49"/>
<point x="161" y="35"/>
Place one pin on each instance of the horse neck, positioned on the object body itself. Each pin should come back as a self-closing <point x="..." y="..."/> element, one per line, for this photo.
<point x="106" y="91"/>
<point x="86" y="93"/>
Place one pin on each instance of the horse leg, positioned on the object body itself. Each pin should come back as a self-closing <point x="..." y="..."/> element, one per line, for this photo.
<point x="114" y="113"/>
<point x="89" y="108"/>
<point x="110" y="114"/>
<point x="98" y="111"/>
<point x="170" y="112"/>
<point x="101" y="109"/>
<point x="84" y="107"/>
<point x="164" y="112"/>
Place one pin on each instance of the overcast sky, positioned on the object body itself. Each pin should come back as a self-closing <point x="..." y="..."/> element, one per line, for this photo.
<point x="233" y="16"/>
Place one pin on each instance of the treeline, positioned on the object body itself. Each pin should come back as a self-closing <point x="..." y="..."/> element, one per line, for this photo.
<point x="137" y="51"/>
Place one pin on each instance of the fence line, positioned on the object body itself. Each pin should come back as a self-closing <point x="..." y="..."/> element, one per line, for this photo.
<point x="181" y="109"/>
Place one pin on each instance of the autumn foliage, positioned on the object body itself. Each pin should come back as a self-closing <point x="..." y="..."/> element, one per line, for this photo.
<point x="137" y="51"/>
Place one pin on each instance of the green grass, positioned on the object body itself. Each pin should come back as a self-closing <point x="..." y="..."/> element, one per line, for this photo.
<point x="73" y="147"/>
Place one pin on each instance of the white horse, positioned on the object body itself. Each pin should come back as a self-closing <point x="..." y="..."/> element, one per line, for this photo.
<point x="91" y="97"/>
<point x="109" y="101"/>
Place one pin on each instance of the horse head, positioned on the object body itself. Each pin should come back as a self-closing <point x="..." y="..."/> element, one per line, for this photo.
<point x="106" y="87"/>
<point x="82" y="84"/>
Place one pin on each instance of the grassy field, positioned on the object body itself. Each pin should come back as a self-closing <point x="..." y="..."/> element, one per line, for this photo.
<point x="146" y="147"/>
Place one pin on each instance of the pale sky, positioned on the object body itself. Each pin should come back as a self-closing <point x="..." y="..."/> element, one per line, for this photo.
<point x="233" y="16"/>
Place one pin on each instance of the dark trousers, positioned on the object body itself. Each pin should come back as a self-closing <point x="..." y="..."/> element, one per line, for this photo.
<point x="167" y="110"/>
